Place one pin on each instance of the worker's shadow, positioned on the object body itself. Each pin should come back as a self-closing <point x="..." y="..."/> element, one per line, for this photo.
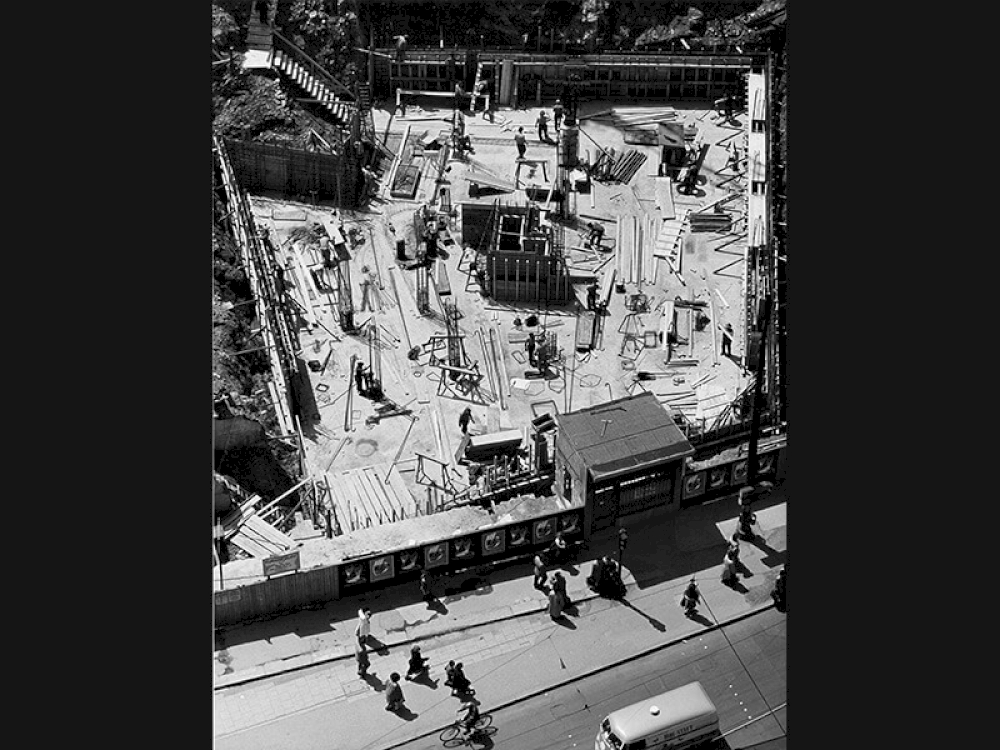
<point x="377" y="646"/>
<point x="436" y="605"/>
<point x="652" y="620"/>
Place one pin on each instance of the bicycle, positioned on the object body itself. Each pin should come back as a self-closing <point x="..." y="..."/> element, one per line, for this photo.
<point x="453" y="736"/>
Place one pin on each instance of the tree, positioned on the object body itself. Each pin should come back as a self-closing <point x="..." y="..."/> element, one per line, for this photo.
<point x="327" y="31"/>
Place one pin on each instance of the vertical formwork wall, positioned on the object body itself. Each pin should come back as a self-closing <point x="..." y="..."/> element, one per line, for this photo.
<point x="264" y="166"/>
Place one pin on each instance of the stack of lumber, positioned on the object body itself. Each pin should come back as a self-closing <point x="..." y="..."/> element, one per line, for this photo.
<point x="680" y="398"/>
<point x="361" y="497"/>
<point x="634" y="261"/>
<point x="712" y="221"/>
<point x="625" y="165"/>
<point x="712" y="401"/>
<point x="668" y="243"/>
<point x="634" y="117"/>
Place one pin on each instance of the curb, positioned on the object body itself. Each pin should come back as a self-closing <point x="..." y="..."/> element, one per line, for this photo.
<point x="612" y="665"/>
<point x="222" y="684"/>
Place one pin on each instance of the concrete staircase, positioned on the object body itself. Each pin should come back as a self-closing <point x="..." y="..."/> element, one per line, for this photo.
<point x="260" y="41"/>
<point x="323" y="94"/>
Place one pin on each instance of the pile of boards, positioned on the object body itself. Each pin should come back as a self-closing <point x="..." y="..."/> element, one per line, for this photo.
<point x="703" y="402"/>
<point x="362" y="498"/>
<point x="711" y="221"/>
<point x="624" y="166"/>
<point x="634" y="117"/>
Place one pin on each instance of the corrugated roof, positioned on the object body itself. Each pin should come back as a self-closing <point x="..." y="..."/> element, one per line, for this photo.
<point x="622" y="435"/>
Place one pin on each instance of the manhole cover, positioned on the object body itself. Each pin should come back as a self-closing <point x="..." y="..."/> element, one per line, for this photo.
<point x="365" y="447"/>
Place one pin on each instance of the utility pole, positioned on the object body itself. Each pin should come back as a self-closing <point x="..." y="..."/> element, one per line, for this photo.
<point x="763" y="318"/>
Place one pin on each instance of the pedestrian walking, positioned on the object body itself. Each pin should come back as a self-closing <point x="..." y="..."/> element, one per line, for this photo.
<point x="540" y="577"/>
<point x="522" y="143"/>
<point x="778" y="594"/>
<point x="727" y="340"/>
<point x="417" y="665"/>
<point x="459" y="682"/>
<point x="425" y="587"/>
<point x="361" y="654"/>
<point x="464" y="418"/>
<point x="557" y="113"/>
<point x="449" y="673"/>
<point x="559" y="586"/>
<point x="394" y="693"/>
<point x="543" y="126"/>
<point x="729" y="569"/>
<point x="529" y="346"/>
<point x="691" y="598"/>
<point x="555" y="605"/>
<point x="364" y="628"/>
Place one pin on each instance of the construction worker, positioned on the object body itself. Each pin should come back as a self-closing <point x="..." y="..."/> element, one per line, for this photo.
<point x="596" y="235"/>
<point x="491" y="104"/>
<point x="557" y="113"/>
<point x="366" y="289"/>
<point x="543" y="126"/>
<point x="592" y="296"/>
<point x="727" y="340"/>
<point x="529" y="346"/>
<point x="401" y="53"/>
<point x="464" y="418"/>
<point x="521" y="141"/>
<point x="262" y="11"/>
<point x="778" y="594"/>
<point x="359" y="378"/>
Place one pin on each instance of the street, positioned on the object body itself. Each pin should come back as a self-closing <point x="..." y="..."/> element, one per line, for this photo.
<point x="742" y="666"/>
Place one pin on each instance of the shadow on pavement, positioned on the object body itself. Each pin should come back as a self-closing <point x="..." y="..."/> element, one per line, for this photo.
<point x="692" y="535"/>
<point x="565" y="622"/>
<point x="377" y="646"/>
<point x="652" y="620"/>
<point x="700" y="618"/>
<point x="376" y="684"/>
<point x="405" y="713"/>
<point x="425" y="679"/>
<point x="437" y="606"/>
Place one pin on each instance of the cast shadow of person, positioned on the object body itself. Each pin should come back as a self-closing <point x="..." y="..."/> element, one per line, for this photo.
<point x="701" y="619"/>
<point x="425" y="679"/>
<point x="652" y="620"/>
<point x="735" y="585"/>
<point x="436" y="605"/>
<point x="565" y="622"/>
<point x="376" y="645"/>
<point x="376" y="684"/>
<point x="405" y="713"/>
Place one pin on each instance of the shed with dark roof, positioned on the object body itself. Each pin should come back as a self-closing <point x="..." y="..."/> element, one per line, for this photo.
<point x="620" y="457"/>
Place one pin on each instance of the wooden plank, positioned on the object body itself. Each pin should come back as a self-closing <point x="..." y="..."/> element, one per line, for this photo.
<point x="371" y="486"/>
<point x="585" y="330"/>
<point x="339" y="507"/>
<point x="359" y="476"/>
<point x="376" y="475"/>
<point x="441" y="283"/>
<point x="249" y="546"/>
<point x="366" y="514"/>
<point x="403" y="494"/>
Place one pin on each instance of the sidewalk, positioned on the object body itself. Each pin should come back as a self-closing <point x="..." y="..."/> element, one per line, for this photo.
<point x="497" y="631"/>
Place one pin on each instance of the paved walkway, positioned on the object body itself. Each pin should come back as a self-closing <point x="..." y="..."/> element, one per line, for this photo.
<point x="510" y="648"/>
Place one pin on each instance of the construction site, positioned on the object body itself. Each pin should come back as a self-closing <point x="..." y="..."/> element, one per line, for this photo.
<point x="471" y="350"/>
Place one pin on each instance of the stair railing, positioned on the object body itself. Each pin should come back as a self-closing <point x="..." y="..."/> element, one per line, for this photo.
<point x="313" y="67"/>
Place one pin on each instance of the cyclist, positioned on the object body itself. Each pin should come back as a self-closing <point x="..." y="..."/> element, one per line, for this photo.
<point x="468" y="715"/>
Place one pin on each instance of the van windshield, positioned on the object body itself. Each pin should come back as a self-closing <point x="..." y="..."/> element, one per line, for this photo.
<point x="615" y="742"/>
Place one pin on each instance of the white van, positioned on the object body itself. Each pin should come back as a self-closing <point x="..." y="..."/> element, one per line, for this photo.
<point x="675" y="720"/>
